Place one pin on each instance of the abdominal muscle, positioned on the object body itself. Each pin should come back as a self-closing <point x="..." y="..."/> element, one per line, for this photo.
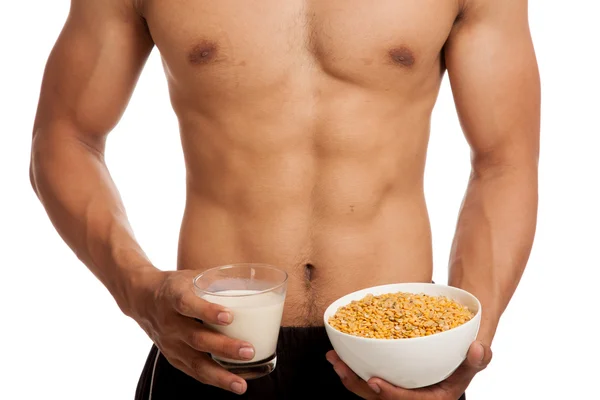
<point x="327" y="188"/>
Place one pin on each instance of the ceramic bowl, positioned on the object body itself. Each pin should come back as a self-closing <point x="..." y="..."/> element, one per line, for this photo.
<point x="408" y="363"/>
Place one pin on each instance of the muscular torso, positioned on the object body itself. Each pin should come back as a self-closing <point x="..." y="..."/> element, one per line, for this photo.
<point x="304" y="127"/>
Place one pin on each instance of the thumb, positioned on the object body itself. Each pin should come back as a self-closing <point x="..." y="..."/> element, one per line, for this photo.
<point x="478" y="356"/>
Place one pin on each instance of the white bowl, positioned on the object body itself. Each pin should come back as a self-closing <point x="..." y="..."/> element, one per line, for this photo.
<point x="408" y="363"/>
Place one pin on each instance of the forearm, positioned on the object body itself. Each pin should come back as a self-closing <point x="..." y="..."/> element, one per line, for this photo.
<point x="494" y="236"/>
<point x="74" y="186"/>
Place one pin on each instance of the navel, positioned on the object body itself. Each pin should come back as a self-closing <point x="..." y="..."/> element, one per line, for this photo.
<point x="402" y="56"/>
<point x="203" y="52"/>
<point x="309" y="271"/>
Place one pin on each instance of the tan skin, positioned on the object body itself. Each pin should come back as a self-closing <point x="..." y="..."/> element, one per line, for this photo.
<point x="304" y="126"/>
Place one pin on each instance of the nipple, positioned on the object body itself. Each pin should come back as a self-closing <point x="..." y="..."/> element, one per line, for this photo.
<point x="203" y="52"/>
<point x="403" y="56"/>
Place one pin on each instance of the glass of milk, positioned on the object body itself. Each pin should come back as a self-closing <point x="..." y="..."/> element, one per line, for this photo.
<point x="255" y="294"/>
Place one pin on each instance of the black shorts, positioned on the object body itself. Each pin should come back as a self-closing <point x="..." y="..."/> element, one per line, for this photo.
<point x="302" y="372"/>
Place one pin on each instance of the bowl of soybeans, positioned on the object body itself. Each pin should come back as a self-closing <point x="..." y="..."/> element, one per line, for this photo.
<point x="411" y="335"/>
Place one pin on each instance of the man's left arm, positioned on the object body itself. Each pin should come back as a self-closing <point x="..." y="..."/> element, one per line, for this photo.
<point x="494" y="77"/>
<point x="495" y="81"/>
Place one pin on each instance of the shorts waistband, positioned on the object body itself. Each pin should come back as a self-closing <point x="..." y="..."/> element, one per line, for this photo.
<point x="302" y="340"/>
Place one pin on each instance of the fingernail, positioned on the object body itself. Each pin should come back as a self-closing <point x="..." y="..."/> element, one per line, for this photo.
<point x="340" y="373"/>
<point x="224" y="317"/>
<point x="247" y="353"/>
<point x="374" y="387"/>
<point x="237" y="387"/>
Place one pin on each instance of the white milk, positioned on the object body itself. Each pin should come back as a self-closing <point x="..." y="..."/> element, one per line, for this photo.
<point x="256" y="319"/>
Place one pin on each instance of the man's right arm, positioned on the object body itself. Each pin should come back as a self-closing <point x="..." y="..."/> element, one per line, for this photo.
<point x="89" y="78"/>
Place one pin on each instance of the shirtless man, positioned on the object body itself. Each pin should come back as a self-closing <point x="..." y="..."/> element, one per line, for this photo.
<point x="304" y="126"/>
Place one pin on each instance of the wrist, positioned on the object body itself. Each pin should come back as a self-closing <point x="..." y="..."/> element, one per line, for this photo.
<point x="138" y="285"/>
<point x="130" y="274"/>
<point x="490" y="311"/>
<point x="487" y="330"/>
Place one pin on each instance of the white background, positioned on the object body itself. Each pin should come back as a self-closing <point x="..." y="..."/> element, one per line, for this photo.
<point x="62" y="335"/>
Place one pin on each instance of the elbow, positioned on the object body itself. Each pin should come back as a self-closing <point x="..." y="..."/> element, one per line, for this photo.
<point x="502" y="162"/>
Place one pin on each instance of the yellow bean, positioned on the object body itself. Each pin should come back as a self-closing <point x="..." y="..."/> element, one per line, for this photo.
<point x="400" y="315"/>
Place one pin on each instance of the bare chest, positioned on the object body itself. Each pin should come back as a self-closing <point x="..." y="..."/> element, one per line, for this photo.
<point x="253" y="44"/>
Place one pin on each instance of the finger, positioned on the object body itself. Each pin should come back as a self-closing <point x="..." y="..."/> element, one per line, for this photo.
<point x="206" y="370"/>
<point x="209" y="341"/>
<point x="387" y="391"/>
<point x="351" y="381"/>
<point x="332" y="357"/>
<point x="190" y="305"/>
<point x="478" y="356"/>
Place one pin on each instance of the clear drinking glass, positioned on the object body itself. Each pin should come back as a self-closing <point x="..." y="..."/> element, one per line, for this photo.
<point x="255" y="294"/>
